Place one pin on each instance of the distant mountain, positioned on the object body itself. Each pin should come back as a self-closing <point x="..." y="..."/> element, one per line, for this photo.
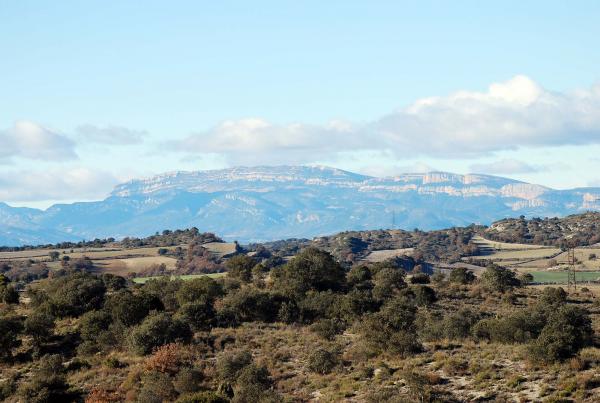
<point x="267" y="203"/>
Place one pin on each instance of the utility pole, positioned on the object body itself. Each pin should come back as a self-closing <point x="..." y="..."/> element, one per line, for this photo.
<point x="571" y="279"/>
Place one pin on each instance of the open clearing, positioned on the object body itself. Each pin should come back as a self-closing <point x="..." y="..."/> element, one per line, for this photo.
<point x="487" y="243"/>
<point x="220" y="249"/>
<point x="381" y="255"/>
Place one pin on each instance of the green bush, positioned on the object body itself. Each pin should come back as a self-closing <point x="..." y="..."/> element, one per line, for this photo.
<point x="39" y="325"/>
<point x="329" y="328"/>
<point x="199" y="314"/>
<point x="197" y="289"/>
<point x="424" y="295"/>
<point x="75" y="294"/>
<point x="11" y="327"/>
<point x="388" y="283"/>
<point x="129" y="309"/>
<point x="461" y="275"/>
<point x="8" y="294"/>
<point x="156" y="330"/>
<point x="568" y="329"/>
<point x="499" y="279"/>
<point x="187" y="380"/>
<point x="47" y="382"/>
<point x="250" y="304"/>
<point x="253" y="384"/>
<point x="323" y="361"/>
<point x="240" y="267"/>
<point x="311" y="269"/>
<point x="156" y="388"/>
<point x="392" y="329"/>
<point x="420" y="278"/>
<point x="231" y="363"/>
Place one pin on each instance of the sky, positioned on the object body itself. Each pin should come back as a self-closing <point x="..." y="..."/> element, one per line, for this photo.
<point x="99" y="92"/>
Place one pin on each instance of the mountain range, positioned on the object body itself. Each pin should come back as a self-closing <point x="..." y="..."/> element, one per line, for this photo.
<point x="266" y="203"/>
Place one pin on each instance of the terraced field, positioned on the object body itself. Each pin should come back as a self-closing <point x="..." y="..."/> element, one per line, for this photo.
<point x="543" y="262"/>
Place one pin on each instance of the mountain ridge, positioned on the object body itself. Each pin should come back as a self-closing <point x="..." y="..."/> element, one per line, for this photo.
<point x="266" y="203"/>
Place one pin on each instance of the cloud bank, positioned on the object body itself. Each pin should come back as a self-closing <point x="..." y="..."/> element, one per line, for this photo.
<point x="55" y="184"/>
<point x="32" y="141"/>
<point x="113" y="135"/>
<point x="509" y="115"/>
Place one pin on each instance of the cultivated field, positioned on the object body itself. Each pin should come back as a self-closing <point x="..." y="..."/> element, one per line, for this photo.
<point x="381" y="255"/>
<point x="546" y="264"/>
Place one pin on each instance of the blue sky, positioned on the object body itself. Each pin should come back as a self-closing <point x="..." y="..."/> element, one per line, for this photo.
<point x="94" y="93"/>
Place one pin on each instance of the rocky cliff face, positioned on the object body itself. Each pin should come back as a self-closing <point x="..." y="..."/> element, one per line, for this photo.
<point x="266" y="203"/>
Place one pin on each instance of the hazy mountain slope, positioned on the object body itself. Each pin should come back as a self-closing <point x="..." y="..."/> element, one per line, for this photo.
<point x="266" y="203"/>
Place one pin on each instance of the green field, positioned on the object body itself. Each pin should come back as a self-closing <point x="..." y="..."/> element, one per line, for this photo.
<point x="142" y="280"/>
<point x="561" y="276"/>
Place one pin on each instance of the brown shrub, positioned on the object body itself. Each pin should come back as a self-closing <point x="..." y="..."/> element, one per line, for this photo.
<point x="98" y="395"/>
<point x="169" y="358"/>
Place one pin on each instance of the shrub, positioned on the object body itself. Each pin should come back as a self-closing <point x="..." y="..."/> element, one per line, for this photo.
<point x="553" y="296"/>
<point x="311" y="269"/>
<point x="461" y="275"/>
<point x="526" y="278"/>
<point x="168" y="358"/>
<point x="424" y="295"/>
<point x="199" y="289"/>
<point x="323" y="361"/>
<point x="10" y="328"/>
<point x="75" y="294"/>
<point x="240" y="267"/>
<point x="47" y="383"/>
<point x="249" y="304"/>
<point x="392" y="329"/>
<point x="496" y="278"/>
<point x="156" y="388"/>
<point x="420" y="278"/>
<point x="156" y="330"/>
<point x="458" y="325"/>
<point x="200" y="314"/>
<point x="112" y="282"/>
<point x="187" y="380"/>
<point x="230" y="364"/>
<point x="93" y="323"/>
<point x="568" y="329"/>
<point x="388" y="282"/>
<point x="329" y="328"/>
<point x="39" y="325"/>
<point x="357" y="302"/>
<point x="254" y="385"/>
<point x="129" y="309"/>
<point x="9" y="294"/>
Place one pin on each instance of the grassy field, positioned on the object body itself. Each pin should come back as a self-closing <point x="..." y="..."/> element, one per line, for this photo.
<point x="482" y="242"/>
<point x="220" y="249"/>
<point x="142" y="280"/>
<point x="561" y="276"/>
<point x="381" y="255"/>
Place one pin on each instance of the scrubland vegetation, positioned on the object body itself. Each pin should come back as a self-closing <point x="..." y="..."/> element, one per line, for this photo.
<point x="309" y="329"/>
<point x="295" y="321"/>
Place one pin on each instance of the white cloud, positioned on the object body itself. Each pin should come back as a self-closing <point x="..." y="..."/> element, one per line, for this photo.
<point x="254" y="140"/>
<point x="507" y="166"/>
<point x="55" y="184"/>
<point x="509" y="115"/>
<point x="114" y="135"/>
<point x="32" y="141"/>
